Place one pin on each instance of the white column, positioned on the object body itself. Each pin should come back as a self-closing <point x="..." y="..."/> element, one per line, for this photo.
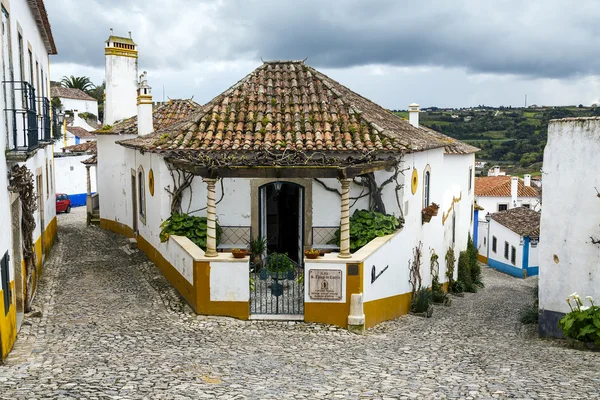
<point x="88" y="180"/>
<point x="211" y="216"/>
<point x="345" y="222"/>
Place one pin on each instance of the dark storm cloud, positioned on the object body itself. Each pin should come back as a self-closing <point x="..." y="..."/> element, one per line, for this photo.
<point x="544" y="38"/>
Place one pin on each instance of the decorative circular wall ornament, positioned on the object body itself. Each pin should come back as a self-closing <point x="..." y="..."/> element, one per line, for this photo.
<point x="414" y="181"/>
<point x="151" y="182"/>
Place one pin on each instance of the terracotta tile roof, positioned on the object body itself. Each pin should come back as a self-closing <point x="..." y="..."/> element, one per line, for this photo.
<point x="289" y="106"/>
<point x="499" y="186"/>
<point x="80" y="132"/>
<point x="453" y="146"/>
<point x="82" y="147"/>
<point x="520" y="220"/>
<point x="163" y="117"/>
<point x="70" y="93"/>
<point x="91" y="161"/>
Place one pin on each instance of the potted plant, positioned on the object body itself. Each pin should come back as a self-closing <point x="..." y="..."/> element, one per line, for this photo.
<point x="312" y="253"/>
<point x="430" y="211"/>
<point x="239" y="253"/>
<point x="580" y="325"/>
<point x="258" y="247"/>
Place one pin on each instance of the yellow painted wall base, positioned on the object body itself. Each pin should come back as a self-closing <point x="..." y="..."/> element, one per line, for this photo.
<point x="49" y="237"/>
<point x="380" y="310"/>
<point x="482" y="259"/>
<point x="117" y="227"/>
<point x="8" y="324"/>
<point x="196" y="295"/>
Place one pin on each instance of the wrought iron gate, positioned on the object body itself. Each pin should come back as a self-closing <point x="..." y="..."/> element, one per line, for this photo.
<point x="276" y="286"/>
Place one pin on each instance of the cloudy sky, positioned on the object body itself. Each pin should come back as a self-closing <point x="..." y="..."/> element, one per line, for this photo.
<point x="438" y="53"/>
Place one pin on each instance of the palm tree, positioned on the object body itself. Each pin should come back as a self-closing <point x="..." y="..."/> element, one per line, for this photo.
<point x="78" y="82"/>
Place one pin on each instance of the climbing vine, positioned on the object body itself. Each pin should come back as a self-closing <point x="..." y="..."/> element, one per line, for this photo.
<point x="414" y="267"/>
<point x="373" y="190"/>
<point x="180" y="184"/>
<point x="21" y="182"/>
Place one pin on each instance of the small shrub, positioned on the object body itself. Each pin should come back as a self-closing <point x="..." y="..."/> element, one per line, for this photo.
<point x="457" y="287"/>
<point x="464" y="272"/>
<point x="421" y="301"/>
<point x="450" y="263"/>
<point x="194" y="228"/>
<point x="437" y="292"/>
<point x="583" y="322"/>
<point x="528" y="315"/>
<point x="279" y="264"/>
<point x="474" y="267"/>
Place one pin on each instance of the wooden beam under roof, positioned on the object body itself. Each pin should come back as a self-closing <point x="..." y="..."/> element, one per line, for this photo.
<point x="280" y="172"/>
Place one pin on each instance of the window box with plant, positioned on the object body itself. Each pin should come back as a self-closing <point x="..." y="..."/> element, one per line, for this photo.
<point x="430" y="211"/>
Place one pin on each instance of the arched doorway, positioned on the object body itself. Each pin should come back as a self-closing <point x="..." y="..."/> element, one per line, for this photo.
<point x="281" y="209"/>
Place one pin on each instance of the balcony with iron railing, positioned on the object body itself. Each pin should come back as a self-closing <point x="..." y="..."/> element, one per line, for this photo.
<point x="21" y="116"/>
<point x="45" y="134"/>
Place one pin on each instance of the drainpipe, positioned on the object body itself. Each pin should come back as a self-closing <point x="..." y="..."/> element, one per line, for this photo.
<point x="525" y="265"/>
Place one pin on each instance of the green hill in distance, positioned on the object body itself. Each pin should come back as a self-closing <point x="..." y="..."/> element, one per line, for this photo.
<point x="511" y="137"/>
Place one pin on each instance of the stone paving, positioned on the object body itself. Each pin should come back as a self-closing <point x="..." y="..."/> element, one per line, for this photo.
<point x="110" y="327"/>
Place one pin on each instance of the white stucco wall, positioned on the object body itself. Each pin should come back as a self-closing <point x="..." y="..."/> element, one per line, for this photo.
<point x="229" y="281"/>
<point x="503" y="235"/>
<point x="70" y="174"/>
<point x="569" y="262"/>
<point x="82" y="106"/>
<point x="21" y="20"/>
<point x="114" y="184"/>
<point x="490" y="203"/>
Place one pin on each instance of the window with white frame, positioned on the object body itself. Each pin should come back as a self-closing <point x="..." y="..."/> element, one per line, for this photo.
<point x="502" y="206"/>
<point x="427" y="186"/>
<point x="506" y="248"/>
<point x="513" y="255"/>
<point x="470" y="178"/>
<point x="494" y="244"/>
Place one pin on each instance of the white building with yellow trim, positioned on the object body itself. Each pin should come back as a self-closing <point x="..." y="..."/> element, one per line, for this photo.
<point x="288" y="154"/>
<point x="26" y="139"/>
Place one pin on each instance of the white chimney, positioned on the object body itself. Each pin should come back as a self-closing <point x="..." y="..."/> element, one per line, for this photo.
<point x="527" y="180"/>
<point x="413" y="114"/>
<point x="144" y="106"/>
<point x="514" y="187"/>
<point x="496" y="171"/>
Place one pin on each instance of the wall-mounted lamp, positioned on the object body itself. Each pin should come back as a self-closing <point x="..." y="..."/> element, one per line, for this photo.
<point x="534" y="242"/>
<point x="488" y="217"/>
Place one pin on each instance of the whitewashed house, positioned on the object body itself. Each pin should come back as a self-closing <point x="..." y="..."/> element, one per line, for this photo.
<point x="283" y="154"/>
<point x="75" y="100"/>
<point x="570" y="249"/>
<point x="26" y="141"/>
<point x="72" y="175"/>
<point x="510" y="240"/>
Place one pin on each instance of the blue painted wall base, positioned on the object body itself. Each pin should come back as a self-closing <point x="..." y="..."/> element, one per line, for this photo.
<point x="78" y="200"/>
<point x="506" y="268"/>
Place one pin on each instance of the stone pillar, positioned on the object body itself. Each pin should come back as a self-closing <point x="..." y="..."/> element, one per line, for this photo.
<point x="211" y="217"/>
<point x="88" y="180"/>
<point x="345" y="223"/>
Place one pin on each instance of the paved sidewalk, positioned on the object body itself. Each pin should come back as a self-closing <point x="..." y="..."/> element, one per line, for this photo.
<point x="113" y="328"/>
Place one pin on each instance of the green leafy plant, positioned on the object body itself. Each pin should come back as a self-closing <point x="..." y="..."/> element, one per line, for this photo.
<point x="529" y="314"/>
<point x="583" y="322"/>
<point x="258" y="247"/>
<point x="194" y="228"/>
<point x="366" y="226"/>
<point x="279" y="264"/>
<point x="457" y="287"/>
<point x="421" y="301"/>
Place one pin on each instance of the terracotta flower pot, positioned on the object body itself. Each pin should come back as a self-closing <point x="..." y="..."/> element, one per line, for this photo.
<point x="311" y="255"/>
<point x="426" y="217"/>
<point x="239" y="253"/>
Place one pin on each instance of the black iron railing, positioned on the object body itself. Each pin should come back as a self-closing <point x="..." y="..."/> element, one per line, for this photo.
<point x="44" y="116"/>
<point x="21" y="115"/>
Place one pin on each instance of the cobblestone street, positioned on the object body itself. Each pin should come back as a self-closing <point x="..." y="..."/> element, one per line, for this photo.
<point x="112" y="327"/>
